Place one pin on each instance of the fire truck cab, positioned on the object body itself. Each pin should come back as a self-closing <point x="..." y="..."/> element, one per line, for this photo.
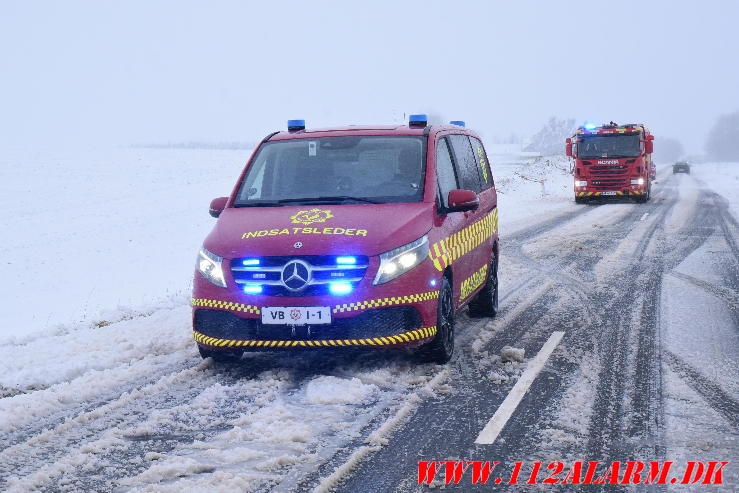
<point x="612" y="160"/>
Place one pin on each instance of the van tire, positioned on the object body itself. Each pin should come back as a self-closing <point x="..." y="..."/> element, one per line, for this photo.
<point x="220" y="356"/>
<point x="485" y="304"/>
<point x="441" y="347"/>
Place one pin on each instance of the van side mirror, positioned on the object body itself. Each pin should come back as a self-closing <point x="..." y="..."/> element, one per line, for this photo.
<point x="568" y="149"/>
<point x="649" y="147"/>
<point x="462" y="200"/>
<point x="217" y="206"/>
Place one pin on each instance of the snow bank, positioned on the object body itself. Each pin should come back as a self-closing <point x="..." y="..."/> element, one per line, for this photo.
<point x="333" y="390"/>
<point x="512" y="354"/>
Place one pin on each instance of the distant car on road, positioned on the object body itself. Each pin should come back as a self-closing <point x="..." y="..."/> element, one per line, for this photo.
<point x="681" y="167"/>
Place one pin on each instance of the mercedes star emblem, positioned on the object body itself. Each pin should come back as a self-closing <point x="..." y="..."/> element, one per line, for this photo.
<point x="296" y="275"/>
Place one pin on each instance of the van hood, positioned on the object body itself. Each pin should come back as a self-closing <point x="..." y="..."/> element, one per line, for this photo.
<point x="359" y="229"/>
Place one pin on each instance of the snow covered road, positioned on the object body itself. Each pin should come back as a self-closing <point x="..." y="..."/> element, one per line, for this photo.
<point x="648" y="369"/>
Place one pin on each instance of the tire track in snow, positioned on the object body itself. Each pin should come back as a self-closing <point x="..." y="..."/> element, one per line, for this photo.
<point x="716" y="397"/>
<point x="642" y="405"/>
<point x="607" y="426"/>
<point x="22" y="458"/>
<point x="56" y="404"/>
<point x="730" y="297"/>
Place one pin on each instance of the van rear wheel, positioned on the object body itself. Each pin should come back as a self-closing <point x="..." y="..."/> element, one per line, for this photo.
<point x="441" y="347"/>
<point x="485" y="304"/>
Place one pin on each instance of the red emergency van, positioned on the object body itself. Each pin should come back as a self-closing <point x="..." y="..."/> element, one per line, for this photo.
<point x="357" y="236"/>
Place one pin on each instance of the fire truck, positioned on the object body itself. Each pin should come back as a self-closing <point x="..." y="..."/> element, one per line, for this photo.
<point x="612" y="160"/>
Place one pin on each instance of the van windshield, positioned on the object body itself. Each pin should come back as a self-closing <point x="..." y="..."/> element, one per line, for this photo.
<point x="613" y="146"/>
<point x="354" y="169"/>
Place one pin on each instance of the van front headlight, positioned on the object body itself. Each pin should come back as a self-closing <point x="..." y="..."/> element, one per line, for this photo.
<point x="210" y="266"/>
<point x="402" y="259"/>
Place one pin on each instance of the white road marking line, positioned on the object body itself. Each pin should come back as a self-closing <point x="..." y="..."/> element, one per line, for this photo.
<point x="644" y="216"/>
<point x="514" y="397"/>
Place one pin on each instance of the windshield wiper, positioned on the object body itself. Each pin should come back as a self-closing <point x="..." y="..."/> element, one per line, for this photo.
<point x="336" y="198"/>
<point x="258" y="204"/>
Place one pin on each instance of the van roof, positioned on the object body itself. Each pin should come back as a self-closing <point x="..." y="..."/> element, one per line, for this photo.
<point x="364" y="130"/>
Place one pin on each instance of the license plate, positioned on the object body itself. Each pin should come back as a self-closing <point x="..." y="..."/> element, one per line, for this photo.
<point x="608" y="193"/>
<point x="296" y="315"/>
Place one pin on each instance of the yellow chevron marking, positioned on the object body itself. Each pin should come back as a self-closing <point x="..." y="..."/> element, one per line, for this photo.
<point x="409" y="336"/>
<point x="224" y="305"/>
<point x="395" y="300"/>
<point x="462" y="242"/>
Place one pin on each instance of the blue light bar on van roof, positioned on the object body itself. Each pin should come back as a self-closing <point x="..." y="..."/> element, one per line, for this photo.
<point x="295" y="125"/>
<point x="418" y="120"/>
<point x="458" y="123"/>
<point x="590" y="126"/>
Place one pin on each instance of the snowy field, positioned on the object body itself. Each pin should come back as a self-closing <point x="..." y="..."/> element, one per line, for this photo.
<point x="101" y="385"/>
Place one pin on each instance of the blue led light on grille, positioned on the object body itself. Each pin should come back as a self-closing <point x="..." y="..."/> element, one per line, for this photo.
<point x="346" y="260"/>
<point x="251" y="261"/>
<point x="458" y="123"/>
<point x="252" y="289"/>
<point x="340" y="288"/>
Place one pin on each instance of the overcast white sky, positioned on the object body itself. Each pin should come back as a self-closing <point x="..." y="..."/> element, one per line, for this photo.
<point x="148" y="71"/>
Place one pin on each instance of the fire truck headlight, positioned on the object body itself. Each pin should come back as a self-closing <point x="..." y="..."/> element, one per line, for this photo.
<point x="210" y="266"/>
<point x="637" y="181"/>
<point x="400" y="260"/>
<point x="581" y="183"/>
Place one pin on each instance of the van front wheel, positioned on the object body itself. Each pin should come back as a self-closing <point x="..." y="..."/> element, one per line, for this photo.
<point x="441" y="348"/>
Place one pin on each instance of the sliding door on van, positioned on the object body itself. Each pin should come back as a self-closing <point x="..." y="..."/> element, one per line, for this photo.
<point x="473" y="170"/>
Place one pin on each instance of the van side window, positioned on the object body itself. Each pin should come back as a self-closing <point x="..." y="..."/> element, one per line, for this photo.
<point x="482" y="160"/>
<point x="467" y="167"/>
<point x="445" y="174"/>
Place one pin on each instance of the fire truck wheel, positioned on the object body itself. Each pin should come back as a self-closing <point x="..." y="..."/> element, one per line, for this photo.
<point x="580" y="200"/>
<point x="441" y="348"/>
<point x="485" y="304"/>
<point x="642" y="199"/>
<point x="221" y="356"/>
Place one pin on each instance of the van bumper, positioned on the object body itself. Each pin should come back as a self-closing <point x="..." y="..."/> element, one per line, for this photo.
<point x="399" y="313"/>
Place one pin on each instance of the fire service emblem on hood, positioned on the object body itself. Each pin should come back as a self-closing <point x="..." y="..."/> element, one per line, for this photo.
<point x="311" y="216"/>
